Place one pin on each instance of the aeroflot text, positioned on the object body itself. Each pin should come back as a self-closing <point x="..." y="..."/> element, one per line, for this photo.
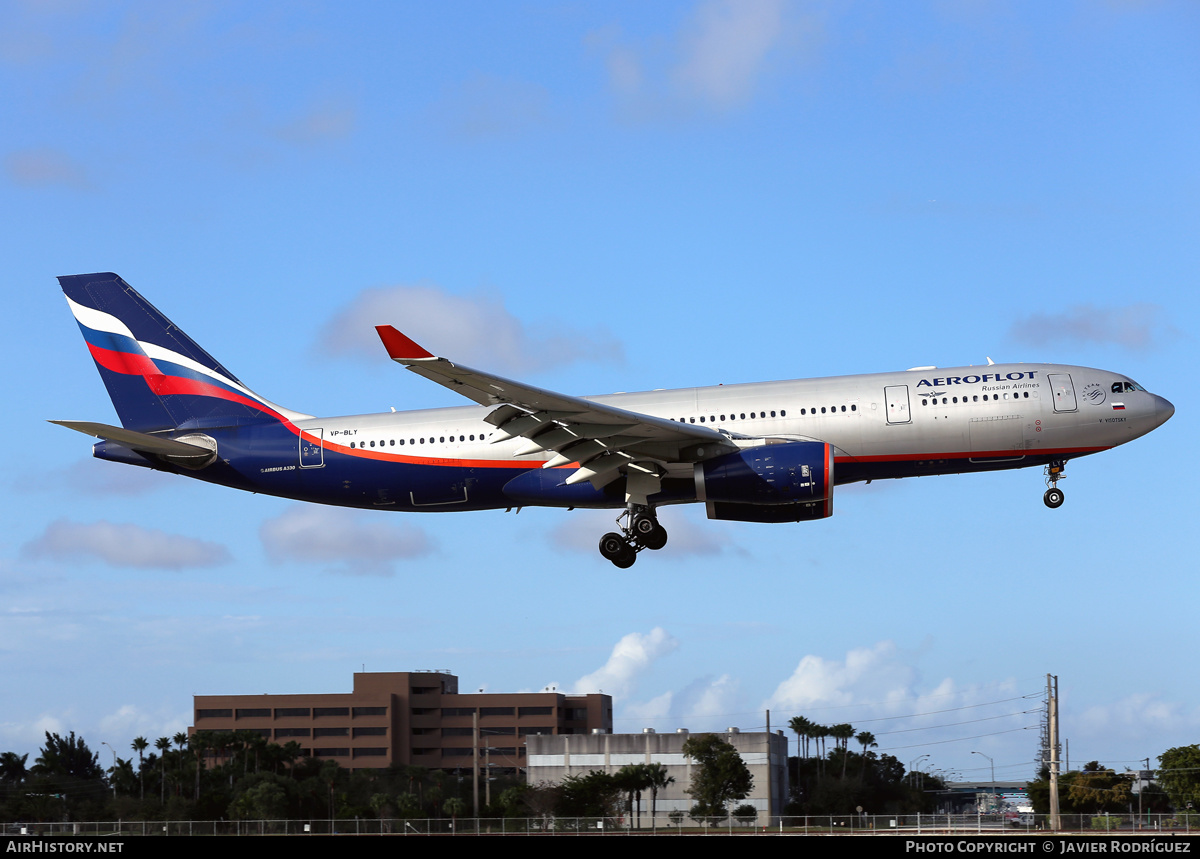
<point x="971" y="380"/>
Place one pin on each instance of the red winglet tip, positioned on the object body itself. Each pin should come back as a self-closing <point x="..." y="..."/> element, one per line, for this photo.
<point x="399" y="347"/>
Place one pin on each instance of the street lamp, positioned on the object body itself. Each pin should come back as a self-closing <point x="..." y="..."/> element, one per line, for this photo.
<point x="114" y="769"/>
<point x="994" y="803"/>
<point x="912" y="766"/>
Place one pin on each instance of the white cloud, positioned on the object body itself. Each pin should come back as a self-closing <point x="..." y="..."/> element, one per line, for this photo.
<point x="647" y="714"/>
<point x="129" y="721"/>
<point x="30" y="735"/>
<point x="1141" y="712"/>
<point x="632" y="657"/>
<point x="478" y="331"/>
<point x="343" y="538"/>
<point x="726" y="46"/>
<point x="866" y="674"/>
<point x="716" y="59"/>
<point x="125" y="546"/>
<point x="1136" y="327"/>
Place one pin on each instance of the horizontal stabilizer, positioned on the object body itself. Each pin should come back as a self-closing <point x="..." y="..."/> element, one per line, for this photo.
<point x="138" y="441"/>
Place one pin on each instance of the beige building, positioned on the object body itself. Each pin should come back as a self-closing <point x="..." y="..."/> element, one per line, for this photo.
<point x="409" y="718"/>
<point x="553" y="758"/>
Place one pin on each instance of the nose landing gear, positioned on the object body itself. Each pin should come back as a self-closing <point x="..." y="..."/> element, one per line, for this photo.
<point x="641" y="531"/>
<point x="1054" y="496"/>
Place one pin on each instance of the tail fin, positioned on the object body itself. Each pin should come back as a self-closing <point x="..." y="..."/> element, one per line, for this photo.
<point x="157" y="377"/>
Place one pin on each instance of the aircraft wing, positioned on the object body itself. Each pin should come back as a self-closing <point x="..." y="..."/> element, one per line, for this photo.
<point x="601" y="439"/>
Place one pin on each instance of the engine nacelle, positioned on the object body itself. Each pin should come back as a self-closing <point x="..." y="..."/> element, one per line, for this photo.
<point x="786" y="482"/>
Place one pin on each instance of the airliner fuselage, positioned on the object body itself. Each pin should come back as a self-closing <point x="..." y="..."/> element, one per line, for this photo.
<point x="762" y="452"/>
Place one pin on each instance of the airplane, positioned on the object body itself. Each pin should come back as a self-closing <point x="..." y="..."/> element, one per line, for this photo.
<point x="765" y="452"/>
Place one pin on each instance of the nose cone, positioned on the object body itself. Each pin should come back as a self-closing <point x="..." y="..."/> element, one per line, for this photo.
<point x="1162" y="410"/>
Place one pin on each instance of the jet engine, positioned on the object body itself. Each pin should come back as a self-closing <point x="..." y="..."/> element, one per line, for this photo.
<point x="781" y="482"/>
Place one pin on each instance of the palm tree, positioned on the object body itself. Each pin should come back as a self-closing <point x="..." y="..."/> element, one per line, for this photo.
<point x="163" y="744"/>
<point x="454" y="807"/>
<point x="843" y="733"/>
<point x="140" y="745"/>
<point x="801" y="726"/>
<point x="181" y="740"/>
<point x="200" y="743"/>
<point x="657" y="779"/>
<point x="633" y="779"/>
<point x="12" y="767"/>
<point x="820" y="733"/>
<point x="868" y="742"/>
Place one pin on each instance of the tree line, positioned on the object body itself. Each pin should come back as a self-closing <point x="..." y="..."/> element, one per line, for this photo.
<point x="241" y="775"/>
<point x="220" y="776"/>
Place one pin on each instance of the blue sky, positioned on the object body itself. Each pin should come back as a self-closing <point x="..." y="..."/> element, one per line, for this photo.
<point x="603" y="197"/>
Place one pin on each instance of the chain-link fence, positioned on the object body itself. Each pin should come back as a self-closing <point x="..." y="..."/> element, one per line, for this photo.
<point x="663" y="824"/>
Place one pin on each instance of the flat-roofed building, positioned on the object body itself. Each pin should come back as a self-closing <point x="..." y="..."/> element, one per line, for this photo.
<point x="410" y="718"/>
<point x="552" y="759"/>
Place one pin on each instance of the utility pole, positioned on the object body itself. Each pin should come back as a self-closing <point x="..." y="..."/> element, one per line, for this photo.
<point x="770" y="772"/>
<point x="475" y="762"/>
<point x="1052" y="704"/>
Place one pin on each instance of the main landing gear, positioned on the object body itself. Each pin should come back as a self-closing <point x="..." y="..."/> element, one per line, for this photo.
<point x="1054" y="496"/>
<point x="640" y="531"/>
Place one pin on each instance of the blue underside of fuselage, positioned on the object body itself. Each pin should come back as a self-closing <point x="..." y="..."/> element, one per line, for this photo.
<point x="265" y="458"/>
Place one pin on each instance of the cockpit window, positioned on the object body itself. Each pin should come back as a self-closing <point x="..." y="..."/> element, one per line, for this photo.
<point x="1122" y="387"/>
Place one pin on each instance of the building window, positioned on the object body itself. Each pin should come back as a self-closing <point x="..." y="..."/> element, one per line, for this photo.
<point x="214" y="714"/>
<point x="370" y="732"/>
<point x="330" y="711"/>
<point x="330" y="732"/>
<point x="369" y="711"/>
<point x="458" y="711"/>
<point x="254" y="713"/>
<point x="495" y="711"/>
<point x="289" y="712"/>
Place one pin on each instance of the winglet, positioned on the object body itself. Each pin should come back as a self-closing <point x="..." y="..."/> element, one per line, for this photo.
<point x="399" y="347"/>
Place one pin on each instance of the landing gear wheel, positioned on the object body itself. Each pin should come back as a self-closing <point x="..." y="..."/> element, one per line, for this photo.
<point x="1053" y="498"/>
<point x="643" y="525"/>
<point x="656" y="539"/>
<point x="616" y="548"/>
<point x="647" y="532"/>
